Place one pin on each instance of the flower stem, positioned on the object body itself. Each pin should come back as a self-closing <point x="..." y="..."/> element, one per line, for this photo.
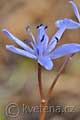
<point x="40" y="81"/>
<point x="43" y="110"/>
<point x="45" y="103"/>
<point x="58" y="75"/>
<point x="42" y="100"/>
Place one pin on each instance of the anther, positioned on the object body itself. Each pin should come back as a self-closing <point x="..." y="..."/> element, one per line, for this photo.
<point x="46" y="27"/>
<point x="39" y="26"/>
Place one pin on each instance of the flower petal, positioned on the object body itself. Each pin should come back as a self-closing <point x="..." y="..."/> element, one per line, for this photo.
<point x="42" y="40"/>
<point x="55" y="38"/>
<point x="46" y="62"/>
<point x="75" y="10"/>
<point x="20" y="52"/>
<point x="42" y="36"/>
<point x="19" y="42"/>
<point x="45" y="41"/>
<point x="65" y="49"/>
<point x="68" y="23"/>
<point x="39" y="50"/>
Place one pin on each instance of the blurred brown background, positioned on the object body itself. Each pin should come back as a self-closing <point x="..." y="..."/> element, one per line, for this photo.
<point x="18" y="75"/>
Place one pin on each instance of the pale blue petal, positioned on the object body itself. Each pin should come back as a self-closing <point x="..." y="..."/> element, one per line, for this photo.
<point x="42" y="34"/>
<point x="42" y="40"/>
<point x="58" y="34"/>
<point x="75" y="10"/>
<point x="56" y="38"/>
<point x="45" y="41"/>
<point x="20" y="52"/>
<point x="19" y="42"/>
<point x="46" y="62"/>
<point x="65" y="49"/>
<point x="41" y="31"/>
<point x="68" y="23"/>
<point x="52" y="46"/>
<point x="39" y="49"/>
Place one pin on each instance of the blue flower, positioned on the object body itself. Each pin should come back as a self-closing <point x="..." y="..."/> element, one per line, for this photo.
<point x="42" y="50"/>
<point x="69" y="23"/>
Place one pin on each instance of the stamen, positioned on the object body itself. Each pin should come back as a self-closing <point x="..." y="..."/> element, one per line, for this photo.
<point x="27" y="28"/>
<point x="41" y="25"/>
<point x="30" y="33"/>
<point x="46" y="27"/>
